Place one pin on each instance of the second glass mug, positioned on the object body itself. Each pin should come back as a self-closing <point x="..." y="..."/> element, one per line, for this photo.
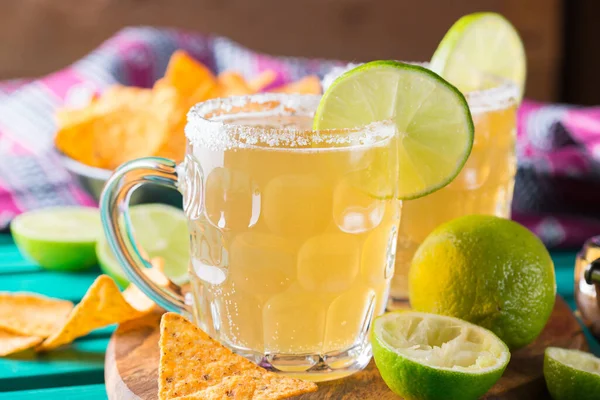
<point x="484" y="185"/>
<point x="292" y="232"/>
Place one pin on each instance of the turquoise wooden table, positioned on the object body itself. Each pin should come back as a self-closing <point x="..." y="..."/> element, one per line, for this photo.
<point x="77" y="372"/>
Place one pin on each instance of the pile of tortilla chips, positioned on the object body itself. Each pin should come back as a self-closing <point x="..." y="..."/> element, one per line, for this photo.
<point x="32" y="321"/>
<point x="194" y="366"/>
<point x="129" y="122"/>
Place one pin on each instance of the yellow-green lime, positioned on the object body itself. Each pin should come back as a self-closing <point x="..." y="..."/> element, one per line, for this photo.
<point x="489" y="271"/>
<point x="477" y="50"/>
<point x="59" y="238"/>
<point x="428" y="357"/>
<point x="161" y="231"/>
<point x="571" y="374"/>
<point x="435" y="129"/>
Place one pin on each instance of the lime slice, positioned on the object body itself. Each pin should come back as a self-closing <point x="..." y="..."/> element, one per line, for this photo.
<point x="428" y="356"/>
<point x="59" y="238"/>
<point x="571" y="374"/>
<point x="477" y="50"/>
<point x="161" y="231"/>
<point x="435" y="130"/>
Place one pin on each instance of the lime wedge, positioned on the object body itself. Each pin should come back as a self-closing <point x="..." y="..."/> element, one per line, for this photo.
<point x="435" y="130"/>
<point x="161" y="231"/>
<point x="59" y="238"/>
<point x="477" y="50"/>
<point x="571" y="374"/>
<point x="428" y="356"/>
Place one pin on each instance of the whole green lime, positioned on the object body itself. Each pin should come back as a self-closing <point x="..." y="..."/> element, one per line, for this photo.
<point x="487" y="270"/>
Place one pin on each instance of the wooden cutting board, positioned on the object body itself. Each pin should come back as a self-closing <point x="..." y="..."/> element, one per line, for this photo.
<point x="132" y="363"/>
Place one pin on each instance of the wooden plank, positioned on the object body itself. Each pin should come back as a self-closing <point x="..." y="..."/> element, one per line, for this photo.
<point x="81" y="363"/>
<point x="11" y="260"/>
<point x="133" y="355"/>
<point x="5" y="238"/>
<point x="87" y="392"/>
<point x="17" y="266"/>
<point x="64" y="285"/>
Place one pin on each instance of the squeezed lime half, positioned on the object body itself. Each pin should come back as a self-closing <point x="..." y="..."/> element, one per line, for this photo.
<point x="161" y="231"/>
<point x="429" y="357"/>
<point x="59" y="238"/>
<point x="571" y="374"/>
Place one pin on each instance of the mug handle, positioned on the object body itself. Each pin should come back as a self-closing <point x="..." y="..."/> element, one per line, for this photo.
<point x="114" y="203"/>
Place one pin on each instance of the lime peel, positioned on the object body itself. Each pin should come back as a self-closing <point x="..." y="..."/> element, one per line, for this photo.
<point x="59" y="238"/>
<point x="430" y="356"/>
<point x="571" y="374"/>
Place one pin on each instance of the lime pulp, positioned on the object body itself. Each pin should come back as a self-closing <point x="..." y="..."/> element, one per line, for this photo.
<point x="435" y="129"/>
<point x="428" y="356"/>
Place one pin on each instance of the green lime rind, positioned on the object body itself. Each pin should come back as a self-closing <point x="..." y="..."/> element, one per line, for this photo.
<point x="571" y="374"/>
<point x="435" y="128"/>
<point x="161" y="231"/>
<point x="478" y="49"/>
<point x="59" y="238"/>
<point x="413" y="379"/>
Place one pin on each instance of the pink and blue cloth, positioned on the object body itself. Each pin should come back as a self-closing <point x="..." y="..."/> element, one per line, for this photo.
<point x="557" y="193"/>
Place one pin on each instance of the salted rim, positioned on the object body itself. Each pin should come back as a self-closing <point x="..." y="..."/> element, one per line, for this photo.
<point x="206" y="127"/>
<point x="497" y="98"/>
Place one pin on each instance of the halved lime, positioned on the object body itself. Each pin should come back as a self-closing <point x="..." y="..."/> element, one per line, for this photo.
<point x="59" y="238"/>
<point x="571" y="374"/>
<point x="435" y="129"/>
<point x="428" y="356"/>
<point x="161" y="231"/>
<point x="478" y="49"/>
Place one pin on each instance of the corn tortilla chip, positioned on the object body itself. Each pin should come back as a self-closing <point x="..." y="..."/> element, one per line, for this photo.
<point x="32" y="315"/>
<point x="102" y="305"/>
<point x="233" y="387"/>
<point x="308" y="85"/>
<point x="13" y="343"/>
<point x="233" y="84"/>
<point x="262" y="81"/>
<point x="134" y="296"/>
<point x="125" y="123"/>
<point x="191" y="362"/>
<point x="187" y="75"/>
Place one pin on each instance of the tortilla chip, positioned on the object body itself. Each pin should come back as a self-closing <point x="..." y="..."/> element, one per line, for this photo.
<point x="13" y="343"/>
<point x="102" y="305"/>
<point x="134" y="296"/>
<point x="262" y="81"/>
<point x="137" y="299"/>
<point x="124" y="124"/>
<point x="233" y="387"/>
<point x="187" y="76"/>
<point x="32" y="315"/>
<point x="233" y="84"/>
<point x="192" y="362"/>
<point x="308" y="85"/>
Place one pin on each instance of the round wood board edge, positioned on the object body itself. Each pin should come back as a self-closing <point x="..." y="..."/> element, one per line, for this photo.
<point x="131" y="365"/>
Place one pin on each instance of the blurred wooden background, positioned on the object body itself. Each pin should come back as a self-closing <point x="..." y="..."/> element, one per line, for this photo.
<point x="38" y="36"/>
